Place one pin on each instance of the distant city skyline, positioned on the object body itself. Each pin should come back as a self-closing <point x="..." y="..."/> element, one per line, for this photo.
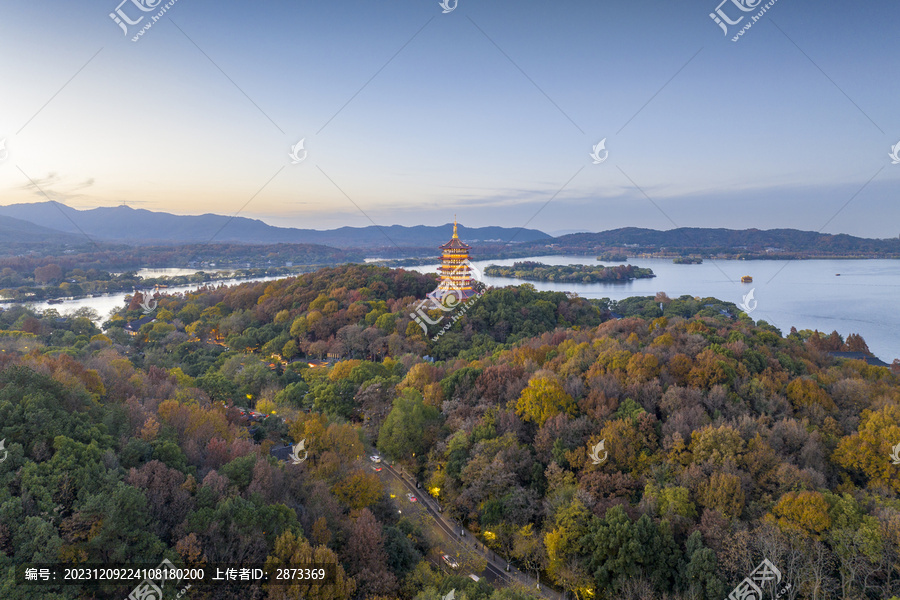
<point x="490" y="112"/>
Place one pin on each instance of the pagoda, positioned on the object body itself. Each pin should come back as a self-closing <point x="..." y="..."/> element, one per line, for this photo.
<point x="455" y="270"/>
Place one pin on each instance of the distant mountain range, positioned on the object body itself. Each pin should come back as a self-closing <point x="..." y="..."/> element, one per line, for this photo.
<point x="51" y="223"/>
<point x="726" y="241"/>
<point x="17" y="231"/>
<point x="143" y="227"/>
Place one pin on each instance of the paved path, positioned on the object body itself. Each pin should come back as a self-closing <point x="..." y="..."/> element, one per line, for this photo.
<point x="496" y="565"/>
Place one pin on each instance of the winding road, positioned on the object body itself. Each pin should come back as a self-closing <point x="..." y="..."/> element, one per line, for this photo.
<point x="495" y="571"/>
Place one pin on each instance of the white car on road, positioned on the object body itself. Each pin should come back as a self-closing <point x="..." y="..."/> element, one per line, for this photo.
<point x="375" y="458"/>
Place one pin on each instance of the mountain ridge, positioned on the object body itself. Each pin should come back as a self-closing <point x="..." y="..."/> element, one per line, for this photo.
<point x="141" y="226"/>
<point x="14" y="230"/>
<point x="711" y="240"/>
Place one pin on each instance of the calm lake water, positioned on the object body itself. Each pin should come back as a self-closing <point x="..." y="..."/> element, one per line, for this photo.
<point x="806" y="294"/>
<point x="107" y="303"/>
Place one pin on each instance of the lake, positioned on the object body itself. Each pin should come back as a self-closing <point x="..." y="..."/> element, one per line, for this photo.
<point x="107" y="303"/>
<point x="806" y="294"/>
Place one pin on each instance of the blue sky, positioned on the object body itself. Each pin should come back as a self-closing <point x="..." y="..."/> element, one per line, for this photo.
<point x="489" y="112"/>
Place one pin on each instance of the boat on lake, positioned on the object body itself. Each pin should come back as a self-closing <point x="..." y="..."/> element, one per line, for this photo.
<point x="746" y="279"/>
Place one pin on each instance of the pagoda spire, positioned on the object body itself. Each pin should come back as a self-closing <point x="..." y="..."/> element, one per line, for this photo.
<point x="455" y="236"/>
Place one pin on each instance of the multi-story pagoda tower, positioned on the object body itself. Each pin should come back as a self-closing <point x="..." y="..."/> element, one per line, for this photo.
<point x="456" y="275"/>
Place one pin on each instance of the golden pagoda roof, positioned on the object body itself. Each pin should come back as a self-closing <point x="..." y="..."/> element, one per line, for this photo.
<point x="455" y="243"/>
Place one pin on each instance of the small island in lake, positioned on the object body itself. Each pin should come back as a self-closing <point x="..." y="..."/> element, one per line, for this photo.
<point x="536" y="271"/>
<point x="612" y="257"/>
<point x="687" y="260"/>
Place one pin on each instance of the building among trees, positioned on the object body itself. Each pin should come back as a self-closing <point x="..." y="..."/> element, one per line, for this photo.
<point x="455" y="269"/>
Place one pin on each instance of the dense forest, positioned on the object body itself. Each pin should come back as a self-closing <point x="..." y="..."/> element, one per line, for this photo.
<point x="535" y="271"/>
<point x="724" y="442"/>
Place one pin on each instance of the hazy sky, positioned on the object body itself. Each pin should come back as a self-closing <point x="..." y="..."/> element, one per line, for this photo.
<point x="490" y="112"/>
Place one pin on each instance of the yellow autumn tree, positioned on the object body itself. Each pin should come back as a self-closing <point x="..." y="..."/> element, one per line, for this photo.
<point x="543" y="398"/>
<point x="359" y="490"/>
<point x="806" y="392"/>
<point x="717" y="444"/>
<point x="805" y="512"/>
<point x="623" y="444"/>
<point x="265" y="406"/>
<point x="562" y="542"/>
<point x="868" y="451"/>
<point x="420" y="375"/>
<point x="723" y="492"/>
<point x="642" y="367"/>
<point x="341" y="370"/>
<point x="293" y="552"/>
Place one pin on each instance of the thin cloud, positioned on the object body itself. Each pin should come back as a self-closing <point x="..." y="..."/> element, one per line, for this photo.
<point x="84" y="184"/>
<point x="51" y="178"/>
<point x="43" y="187"/>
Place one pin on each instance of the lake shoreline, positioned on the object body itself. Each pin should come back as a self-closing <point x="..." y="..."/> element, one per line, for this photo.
<point x="848" y="296"/>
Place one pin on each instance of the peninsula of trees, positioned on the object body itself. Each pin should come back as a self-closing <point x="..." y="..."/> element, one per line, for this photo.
<point x="535" y="271"/>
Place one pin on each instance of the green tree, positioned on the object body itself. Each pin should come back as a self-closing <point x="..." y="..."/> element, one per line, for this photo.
<point x="701" y="573"/>
<point x="408" y="428"/>
<point x="124" y="533"/>
<point x="620" y="549"/>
